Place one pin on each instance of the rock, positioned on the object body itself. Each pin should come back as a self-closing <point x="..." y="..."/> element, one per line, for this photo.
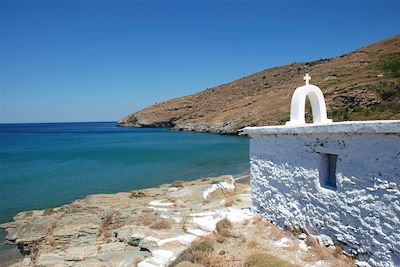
<point x="24" y="233"/>
<point x="220" y="188"/>
<point x="127" y="258"/>
<point x="119" y="254"/>
<point x="196" y="232"/>
<point x="302" y="236"/>
<point x="125" y="234"/>
<point x="147" y="245"/>
<point x="46" y="259"/>
<point x="180" y="203"/>
<point x="362" y="264"/>
<point x="114" y="229"/>
<point x="134" y="241"/>
<point x="137" y="194"/>
<point x="79" y="253"/>
<point x="325" y="240"/>
<point x="163" y="255"/>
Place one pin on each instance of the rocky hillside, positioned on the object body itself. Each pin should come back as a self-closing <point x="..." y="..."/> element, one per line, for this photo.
<point x="361" y="85"/>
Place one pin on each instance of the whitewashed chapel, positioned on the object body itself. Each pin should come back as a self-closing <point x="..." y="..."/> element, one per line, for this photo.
<point x="338" y="181"/>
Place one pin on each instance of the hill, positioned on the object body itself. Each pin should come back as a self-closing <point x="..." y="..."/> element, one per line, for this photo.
<point x="361" y="85"/>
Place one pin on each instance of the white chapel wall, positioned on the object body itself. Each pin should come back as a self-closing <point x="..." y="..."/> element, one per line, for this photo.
<point x="339" y="181"/>
<point x="362" y="214"/>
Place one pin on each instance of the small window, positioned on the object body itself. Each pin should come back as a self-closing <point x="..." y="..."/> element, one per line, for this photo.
<point x="327" y="171"/>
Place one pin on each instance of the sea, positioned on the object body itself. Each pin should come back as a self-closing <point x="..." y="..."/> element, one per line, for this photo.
<point x="50" y="164"/>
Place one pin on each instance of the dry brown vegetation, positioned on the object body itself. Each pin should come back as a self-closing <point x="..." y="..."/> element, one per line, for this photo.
<point x="228" y="202"/>
<point x="48" y="211"/>
<point x="161" y="224"/>
<point x="171" y="199"/>
<point x="361" y="85"/>
<point x="224" y="228"/>
<point x="147" y="217"/>
<point x="253" y="244"/>
<point x="263" y="259"/>
<point x="188" y="264"/>
<point x="137" y="194"/>
<point x="318" y="252"/>
<point x="178" y="184"/>
<point x="109" y="222"/>
<point x="28" y="214"/>
<point x="255" y="248"/>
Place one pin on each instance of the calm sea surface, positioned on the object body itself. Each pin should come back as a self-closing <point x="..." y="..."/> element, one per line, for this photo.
<point x="47" y="165"/>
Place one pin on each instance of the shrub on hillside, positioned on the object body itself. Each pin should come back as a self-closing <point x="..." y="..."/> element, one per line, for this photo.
<point x="263" y="259"/>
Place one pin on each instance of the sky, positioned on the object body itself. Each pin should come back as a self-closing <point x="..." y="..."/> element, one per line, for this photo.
<point x="88" y="60"/>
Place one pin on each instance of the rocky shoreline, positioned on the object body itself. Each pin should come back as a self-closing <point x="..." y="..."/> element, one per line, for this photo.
<point x="226" y="128"/>
<point x="162" y="226"/>
<point x="122" y="228"/>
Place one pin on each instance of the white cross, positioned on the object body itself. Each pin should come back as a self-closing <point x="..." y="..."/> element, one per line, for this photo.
<point x="307" y="78"/>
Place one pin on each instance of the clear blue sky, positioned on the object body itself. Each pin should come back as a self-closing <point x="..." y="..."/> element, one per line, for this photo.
<point x="101" y="60"/>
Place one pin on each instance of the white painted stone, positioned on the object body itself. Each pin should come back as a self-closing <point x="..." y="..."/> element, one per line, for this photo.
<point x="321" y="264"/>
<point x="238" y="215"/>
<point x="151" y="262"/>
<point x="206" y="223"/>
<point x="158" y="209"/>
<point x="303" y="246"/>
<point x="298" y="104"/>
<point x="219" y="186"/>
<point x="151" y="239"/>
<point x="186" y="239"/>
<point x="362" y="264"/>
<point x="137" y="235"/>
<point x="201" y="214"/>
<point x="344" y="127"/>
<point x="163" y="255"/>
<point x="197" y="232"/>
<point x="325" y="240"/>
<point x="361" y="213"/>
<point x="283" y="242"/>
<point x="160" y="203"/>
<point x="302" y="236"/>
<point x="175" y="218"/>
<point x="167" y="240"/>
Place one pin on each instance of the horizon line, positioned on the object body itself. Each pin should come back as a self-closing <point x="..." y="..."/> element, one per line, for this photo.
<point x="55" y="122"/>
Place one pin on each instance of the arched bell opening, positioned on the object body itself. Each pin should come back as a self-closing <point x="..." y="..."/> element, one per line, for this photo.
<point x="317" y="101"/>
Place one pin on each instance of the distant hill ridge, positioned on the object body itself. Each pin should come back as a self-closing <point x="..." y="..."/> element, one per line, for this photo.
<point x="361" y="85"/>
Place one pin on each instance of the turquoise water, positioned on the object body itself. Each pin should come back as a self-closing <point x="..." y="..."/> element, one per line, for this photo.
<point x="47" y="165"/>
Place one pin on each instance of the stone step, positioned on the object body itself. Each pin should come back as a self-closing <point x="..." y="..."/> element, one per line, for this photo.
<point x="152" y="262"/>
<point x="163" y="255"/>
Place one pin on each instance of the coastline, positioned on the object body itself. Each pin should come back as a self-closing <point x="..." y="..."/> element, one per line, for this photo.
<point x="194" y="127"/>
<point x="11" y="255"/>
<point x="160" y="227"/>
<point x="69" y="161"/>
